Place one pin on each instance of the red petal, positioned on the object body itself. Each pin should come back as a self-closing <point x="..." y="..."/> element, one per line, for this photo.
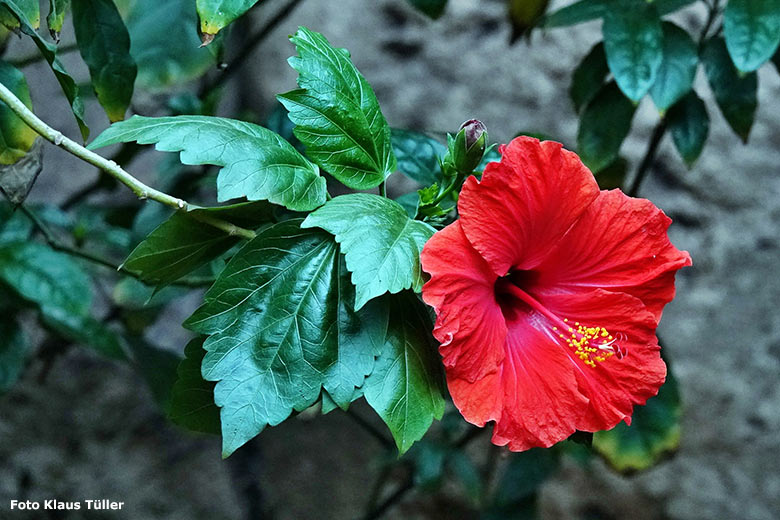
<point x="469" y="323"/>
<point x="534" y="398"/>
<point x="614" y="385"/>
<point x="620" y="244"/>
<point x="525" y="203"/>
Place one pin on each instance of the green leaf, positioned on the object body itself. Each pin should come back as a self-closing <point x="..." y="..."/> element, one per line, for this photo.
<point x="192" y="398"/>
<point x="588" y="77"/>
<point x="158" y="367"/>
<point x="49" y="52"/>
<point x="515" y="497"/>
<point x="165" y="43"/>
<point x="45" y="277"/>
<point x="578" y="12"/>
<point x="16" y="180"/>
<point x="104" y="44"/>
<point x="410" y="202"/>
<point x="432" y="8"/>
<point x="337" y="115"/>
<point x="653" y="434"/>
<point x="183" y="243"/>
<point x="752" y="30"/>
<point x="406" y="386"/>
<point x="30" y="8"/>
<point x="60" y="289"/>
<point x="215" y="15"/>
<point x="257" y="163"/>
<point x="735" y="93"/>
<point x="604" y="125"/>
<point x="678" y="69"/>
<point x="689" y="124"/>
<point x="587" y="10"/>
<point x="281" y="327"/>
<point x="418" y="155"/>
<point x="524" y="15"/>
<point x="13" y="352"/>
<point x="382" y="245"/>
<point x="633" y="42"/>
<point x="613" y="175"/>
<point x="16" y="138"/>
<point x="57" y="11"/>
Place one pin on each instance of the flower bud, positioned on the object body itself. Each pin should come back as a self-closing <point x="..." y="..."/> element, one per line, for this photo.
<point x="468" y="146"/>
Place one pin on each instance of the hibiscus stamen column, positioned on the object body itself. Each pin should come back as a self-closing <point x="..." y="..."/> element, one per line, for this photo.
<point x="590" y="344"/>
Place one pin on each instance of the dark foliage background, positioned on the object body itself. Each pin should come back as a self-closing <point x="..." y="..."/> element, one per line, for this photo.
<point x="84" y="427"/>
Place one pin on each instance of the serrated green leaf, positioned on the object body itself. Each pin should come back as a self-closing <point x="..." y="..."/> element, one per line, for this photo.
<point x="165" y="43"/>
<point x="678" y="68"/>
<point x="215" y="15"/>
<point x="337" y="115"/>
<point x="257" y="163"/>
<point x="735" y="93"/>
<point x="31" y="10"/>
<point x="328" y="404"/>
<point x="183" y="243"/>
<point x="49" y="52"/>
<point x="281" y="327"/>
<point x="406" y="387"/>
<point x="689" y="124"/>
<point x="104" y="44"/>
<point x="56" y="17"/>
<point x="16" y="138"/>
<point x="604" y="125"/>
<point x="192" y="398"/>
<point x="588" y="77"/>
<point x="432" y="8"/>
<point x="381" y="243"/>
<point x="654" y="432"/>
<point x="418" y="155"/>
<point x="13" y="352"/>
<point x="158" y="368"/>
<point x="587" y="10"/>
<point x="752" y="31"/>
<point x="633" y="42"/>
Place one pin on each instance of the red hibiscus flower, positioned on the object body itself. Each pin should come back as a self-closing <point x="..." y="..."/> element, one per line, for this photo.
<point x="547" y="293"/>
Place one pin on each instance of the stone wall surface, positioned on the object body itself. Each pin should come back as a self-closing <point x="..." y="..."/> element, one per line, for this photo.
<point x="91" y="429"/>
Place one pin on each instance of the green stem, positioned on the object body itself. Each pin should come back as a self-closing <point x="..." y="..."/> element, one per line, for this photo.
<point x="141" y="190"/>
<point x="383" y="189"/>
<point x="55" y="244"/>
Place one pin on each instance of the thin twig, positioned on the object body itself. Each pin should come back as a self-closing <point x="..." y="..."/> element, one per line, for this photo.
<point x="661" y="127"/>
<point x="57" y="245"/>
<point x="36" y="57"/>
<point x="390" y="501"/>
<point x="249" y="47"/>
<point x="647" y="160"/>
<point x="141" y="190"/>
<point x="371" y="429"/>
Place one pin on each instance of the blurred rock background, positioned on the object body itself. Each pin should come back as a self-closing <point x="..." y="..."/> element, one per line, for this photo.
<point x="91" y="430"/>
